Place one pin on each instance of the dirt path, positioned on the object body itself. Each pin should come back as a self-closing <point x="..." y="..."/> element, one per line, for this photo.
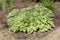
<point x="55" y="35"/>
<point x="6" y="35"/>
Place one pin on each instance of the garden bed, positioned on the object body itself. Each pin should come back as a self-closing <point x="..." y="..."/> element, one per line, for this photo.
<point x="34" y="36"/>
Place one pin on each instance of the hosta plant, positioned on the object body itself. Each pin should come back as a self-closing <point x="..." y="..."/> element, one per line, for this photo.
<point x="48" y="4"/>
<point x="30" y="19"/>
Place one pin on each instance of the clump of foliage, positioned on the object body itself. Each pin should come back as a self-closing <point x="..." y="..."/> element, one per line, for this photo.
<point x="6" y="4"/>
<point x="31" y="19"/>
<point x="48" y="4"/>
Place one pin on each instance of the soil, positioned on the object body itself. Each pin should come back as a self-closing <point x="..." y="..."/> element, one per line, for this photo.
<point x="8" y="35"/>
